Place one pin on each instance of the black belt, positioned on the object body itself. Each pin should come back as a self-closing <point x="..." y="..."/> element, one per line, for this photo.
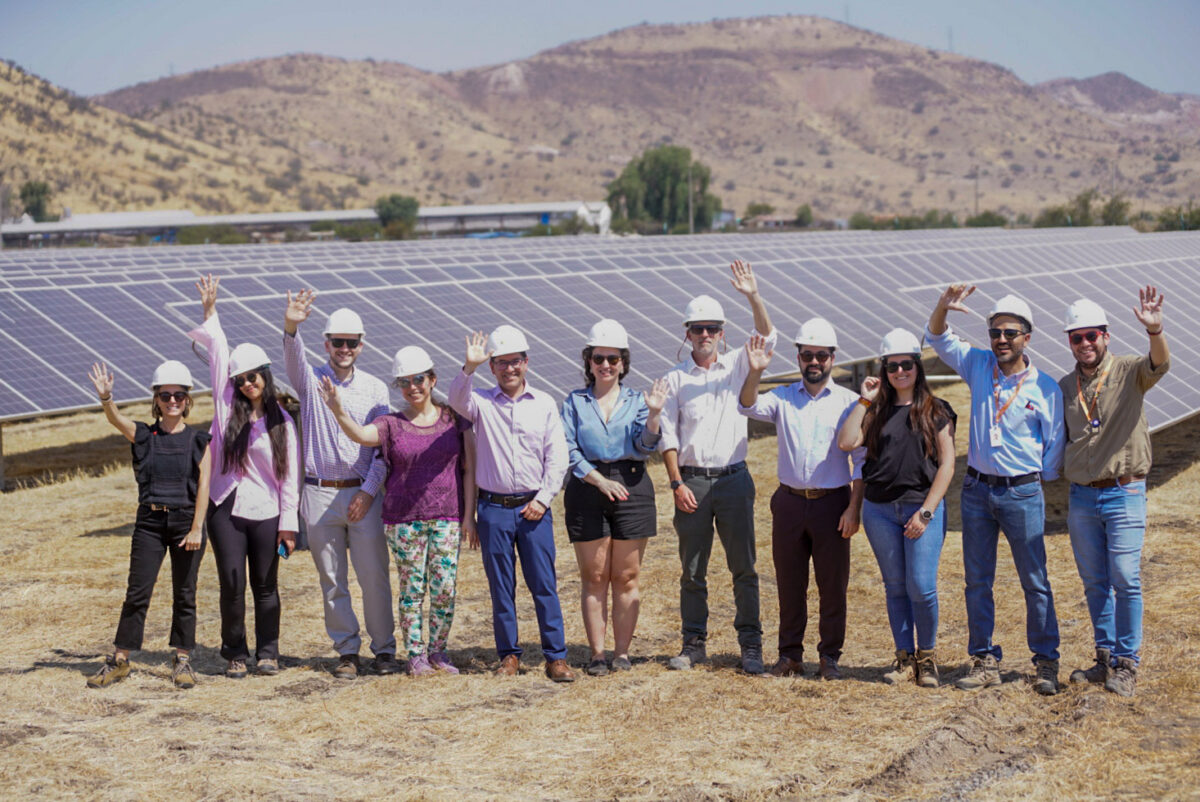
<point x="618" y="466"/>
<point x="1004" y="481"/>
<point x="688" y="470"/>
<point x="508" y="500"/>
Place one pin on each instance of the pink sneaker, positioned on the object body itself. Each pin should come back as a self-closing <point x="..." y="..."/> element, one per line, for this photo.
<point x="441" y="662"/>
<point x="419" y="666"/>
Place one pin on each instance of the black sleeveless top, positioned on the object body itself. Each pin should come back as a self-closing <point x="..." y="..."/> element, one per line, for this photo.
<point x="167" y="466"/>
<point x="902" y="471"/>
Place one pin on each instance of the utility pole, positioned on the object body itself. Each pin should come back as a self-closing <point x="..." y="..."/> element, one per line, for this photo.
<point x="691" y="213"/>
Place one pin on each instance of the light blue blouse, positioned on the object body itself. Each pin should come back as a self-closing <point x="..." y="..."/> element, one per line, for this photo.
<point x="591" y="439"/>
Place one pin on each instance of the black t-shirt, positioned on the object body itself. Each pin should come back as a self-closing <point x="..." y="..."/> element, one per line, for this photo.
<point x="167" y="466"/>
<point x="901" y="470"/>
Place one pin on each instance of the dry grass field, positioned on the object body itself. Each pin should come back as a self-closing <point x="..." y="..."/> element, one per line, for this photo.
<point x="712" y="733"/>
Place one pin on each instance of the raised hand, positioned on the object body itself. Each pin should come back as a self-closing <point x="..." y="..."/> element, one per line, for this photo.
<point x="477" y="352"/>
<point x="102" y="380"/>
<point x="953" y="297"/>
<point x="329" y="394"/>
<point x="656" y="396"/>
<point x="299" y="307"/>
<point x="207" y="285"/>
<point x="743" y="278"/>
<point x="1149" y="312"/>
<point x="870" y="388"/>
<point x="757" y="353"/>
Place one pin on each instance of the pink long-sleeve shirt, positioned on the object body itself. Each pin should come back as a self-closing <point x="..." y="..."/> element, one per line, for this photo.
<point x="260" y="494"/>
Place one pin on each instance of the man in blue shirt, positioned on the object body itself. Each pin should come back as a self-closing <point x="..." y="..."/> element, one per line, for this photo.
<point x="1016" y="442"/>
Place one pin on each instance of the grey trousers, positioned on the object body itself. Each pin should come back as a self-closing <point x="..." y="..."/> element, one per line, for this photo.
<point x="331" y="538"/>
<point x="729" y="500"/>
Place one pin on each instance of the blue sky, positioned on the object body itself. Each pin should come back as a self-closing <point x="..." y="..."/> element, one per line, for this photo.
<point x="90" y="46"/>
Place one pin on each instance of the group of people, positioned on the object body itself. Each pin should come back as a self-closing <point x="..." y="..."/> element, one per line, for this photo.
<point x="485" y="467"/>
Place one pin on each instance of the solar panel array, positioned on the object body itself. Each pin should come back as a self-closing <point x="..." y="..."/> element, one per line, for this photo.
<point x="61" y="310"/>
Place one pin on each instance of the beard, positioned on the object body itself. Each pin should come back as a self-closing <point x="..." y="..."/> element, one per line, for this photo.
<point x="814" y="374"/>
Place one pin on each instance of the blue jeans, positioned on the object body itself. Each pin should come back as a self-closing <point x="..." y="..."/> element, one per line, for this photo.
<point x="1021" y="512"/>
<point x="909" y="568"/>
<point x="1107" y="526"/>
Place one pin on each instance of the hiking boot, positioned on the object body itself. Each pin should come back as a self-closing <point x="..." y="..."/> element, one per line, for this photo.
<point x="385" y="663"/>
<point x="1100" y="671"/>
<point x="1124" y="677"/>
<point x="1046" y="680"/>
<point x="347" y="667"/>
<point x="984" y="673"/>
<point x="903" y="670"/>
<point x="752" y="662"/>
<point x="693" y="652"/>
<point x="112" y="672"/>
<point x="182" y="673"/>
<point x="267" y="667"/>
<point x="419" y="666"/>
<point x="597" y="668"/>
<point x="927" y="671"/>
<point x="236" y="669"/>
<point x="828" y="669"/>
<point x="441" y="662"/>
<point x="787" y="667"/>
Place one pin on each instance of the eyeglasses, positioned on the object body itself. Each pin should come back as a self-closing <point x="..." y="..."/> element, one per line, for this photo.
<point x="612" y="359"/>
<point x="419" y="380"/>
<point x="1077" y="338"/>
<point x="818" y="356"/>
<point x="1008" y="334"/>
<point x="249" y="376"/>
<point x="179" y="396"/>
<point x="904" y="364"/>
<point x="712" y="331"/>
<point x="505" y="364"/>
<point x="342" y="342"/>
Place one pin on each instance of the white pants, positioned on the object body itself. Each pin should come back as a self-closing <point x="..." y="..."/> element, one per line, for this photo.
<point x="330" y="536"/>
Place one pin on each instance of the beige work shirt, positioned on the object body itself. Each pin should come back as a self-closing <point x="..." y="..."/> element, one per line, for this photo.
<point x="1121" y="447"/>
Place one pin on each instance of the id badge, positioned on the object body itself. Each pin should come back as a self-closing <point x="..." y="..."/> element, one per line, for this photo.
<point x="996" y="438"/>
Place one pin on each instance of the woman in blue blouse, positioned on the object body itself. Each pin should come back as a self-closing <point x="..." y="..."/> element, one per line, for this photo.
<point x="609" y="500"/>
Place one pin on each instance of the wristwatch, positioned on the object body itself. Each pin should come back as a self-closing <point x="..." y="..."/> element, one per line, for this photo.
<point x="676" y="484"/>
<point x="926" y="515"/>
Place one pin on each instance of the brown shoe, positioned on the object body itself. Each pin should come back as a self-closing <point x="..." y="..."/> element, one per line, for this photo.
<point x="558" y="671"/>
<point x="829" y="669"/>
<point x="787" y="667"/>
<point x="509" y="666"/>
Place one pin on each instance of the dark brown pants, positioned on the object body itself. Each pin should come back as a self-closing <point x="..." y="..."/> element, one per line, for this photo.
<point x="802" y="528"/>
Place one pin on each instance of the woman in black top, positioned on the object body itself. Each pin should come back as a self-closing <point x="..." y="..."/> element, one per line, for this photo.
<point x="909" y="435"/>
<point x="172" y="467"/>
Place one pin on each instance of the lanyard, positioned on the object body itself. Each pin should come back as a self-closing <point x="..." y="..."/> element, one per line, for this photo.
<point x="996" y="393"/>
<point x="1090" y="412"/>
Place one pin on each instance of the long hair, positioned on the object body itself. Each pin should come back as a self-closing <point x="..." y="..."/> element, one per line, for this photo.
<point x="925" y="415"/>
<point x="237" y="433"/>
<point x="587" y="365"/>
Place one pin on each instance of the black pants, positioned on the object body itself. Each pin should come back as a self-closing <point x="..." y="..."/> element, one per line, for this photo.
<point x="154" y="535"/>
<point x="237" y="542"/>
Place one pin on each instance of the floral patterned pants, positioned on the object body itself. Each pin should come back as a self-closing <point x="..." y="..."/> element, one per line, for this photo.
<point x="426" y="555"/>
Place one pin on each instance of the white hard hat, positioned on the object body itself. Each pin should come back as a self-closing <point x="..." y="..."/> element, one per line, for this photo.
<point x="344" y="321"/>
<point x="411" y="360"/>
<point x="817" y="331"/>
<point x="506" y="339"/>
<point x="1014" y="306"/>
<point x="1085" y="314"/>
<point x="608" y="333"/>
<point x="172" y="372"/>
<point x="703" y="307"/>
<point x="247" y="356"/>
<point x="899" y="341"/>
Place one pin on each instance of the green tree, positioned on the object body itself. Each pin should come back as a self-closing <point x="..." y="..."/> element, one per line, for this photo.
<point x="398" y="215"/>
<point x="861" y="220"/>
<point x="1052" y="217"/>
<point x="986" y="219"/>
<point x="654" y="188"/>
<point x="758" y="208"/>
<point x="35" y="197"/>
<point x="1080" y="208"/>
<point x="804" y="216"/>
<point x="1115" y="211"/>
<point x="1179" y="218"/>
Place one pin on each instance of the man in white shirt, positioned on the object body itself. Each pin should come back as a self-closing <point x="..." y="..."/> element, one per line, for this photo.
<point x="704" y="450"/>
<point x="815" y="511"/>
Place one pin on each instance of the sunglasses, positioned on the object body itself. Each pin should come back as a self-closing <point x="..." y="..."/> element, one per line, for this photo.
<point x="903" y="364"/>
<point x="817" y="356"/>
<point x="709" y="330"/>
<point x="505" y="364"/>
<point x="342" y="342"/>
<point x="179" y="396"/>
<point x="1091" y="336"/>
<point x="1008" y="334"/>
<point x="249" y="376"/>
<point x="612" y="359"/>
<point x="419" y="380"/>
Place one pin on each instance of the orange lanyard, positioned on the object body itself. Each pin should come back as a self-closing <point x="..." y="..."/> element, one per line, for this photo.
<point x="996" y="393"/>
<point x="1091" y="411"/>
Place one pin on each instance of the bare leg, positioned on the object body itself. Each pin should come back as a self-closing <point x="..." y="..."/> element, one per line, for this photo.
<point x="626" y="564"/>
<point x="594" y="558"/>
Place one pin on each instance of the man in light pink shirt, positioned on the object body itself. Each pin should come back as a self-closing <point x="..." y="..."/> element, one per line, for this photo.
<point x="520" y="465"/>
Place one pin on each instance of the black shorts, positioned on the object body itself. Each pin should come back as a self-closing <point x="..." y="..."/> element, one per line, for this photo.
<point x="591" y="516"/>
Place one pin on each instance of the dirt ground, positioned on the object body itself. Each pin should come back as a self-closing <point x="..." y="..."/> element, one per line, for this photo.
<point x="712" y="733"/>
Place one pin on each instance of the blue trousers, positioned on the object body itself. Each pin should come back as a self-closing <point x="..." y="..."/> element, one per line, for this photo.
<point x="503" y="536"/>
<point x="909" y="569"/>
<point x="1107" y="527"/>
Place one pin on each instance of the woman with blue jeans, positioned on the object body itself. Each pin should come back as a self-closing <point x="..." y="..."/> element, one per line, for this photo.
<point x="909" y="435"/>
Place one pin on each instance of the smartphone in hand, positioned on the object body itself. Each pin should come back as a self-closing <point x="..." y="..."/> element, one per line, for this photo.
<point x="283" y="551"/>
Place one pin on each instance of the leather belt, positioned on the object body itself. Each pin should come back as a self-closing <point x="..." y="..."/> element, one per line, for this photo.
<point x="1004" y="481"/>
<point x="810" y="492"/>
<point x="312" y="480"/>
<point x="618" y="466"/>
<point x="712" y="473"/>
<point x="164" y="508"/>
<point x="1119" y="480"/>
<point x="507" y="500"/>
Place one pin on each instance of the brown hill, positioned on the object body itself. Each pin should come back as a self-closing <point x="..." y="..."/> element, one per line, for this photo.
<point x="1121" y="101"/>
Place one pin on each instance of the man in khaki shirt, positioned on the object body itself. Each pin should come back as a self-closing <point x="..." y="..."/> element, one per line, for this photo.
<point x="1107" y="459"/>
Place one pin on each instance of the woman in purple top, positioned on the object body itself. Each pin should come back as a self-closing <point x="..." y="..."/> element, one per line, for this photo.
<point x="428" y="502"/>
